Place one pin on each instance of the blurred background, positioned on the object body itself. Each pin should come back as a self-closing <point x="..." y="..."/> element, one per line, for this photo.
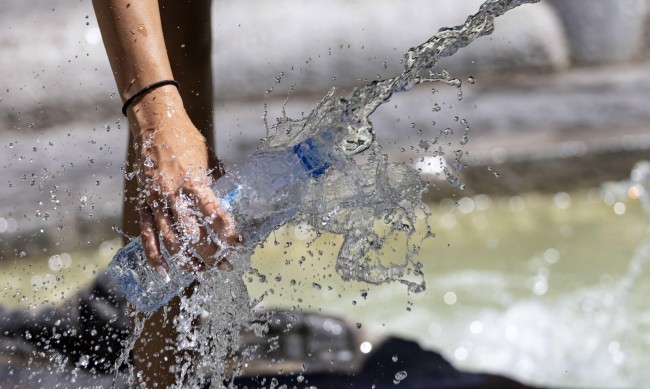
<point x="537" y="270"/>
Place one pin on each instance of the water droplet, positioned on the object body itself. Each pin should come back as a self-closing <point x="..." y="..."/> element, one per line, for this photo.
<point x="148" y="162"/>
<point x="395" y="358"/>
<point x="562" y="200"/>
<point x="471" y="80"/>
<point x="84" y="360"/>
<point x="461" y="353"/>
<point x="494" y="172"/>
<point x="450" y="298"/>
<point x="476" y="327"/>
<point x="399" y="377"/>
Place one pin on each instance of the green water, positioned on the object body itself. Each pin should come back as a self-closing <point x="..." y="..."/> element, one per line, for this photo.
<point x="585" y="244"/>
<point x="525" y="286"/>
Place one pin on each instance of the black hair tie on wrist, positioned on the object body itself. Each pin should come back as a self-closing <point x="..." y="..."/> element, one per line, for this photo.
<point x="145" y="90"/>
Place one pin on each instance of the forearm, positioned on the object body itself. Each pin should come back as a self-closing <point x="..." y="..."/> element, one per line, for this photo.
<point x="132" y="34"/>
<point x="170" y="156"/>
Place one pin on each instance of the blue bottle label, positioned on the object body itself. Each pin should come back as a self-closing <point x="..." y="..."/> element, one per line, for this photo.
<point x="311" y="158"/>
<point x="231" y="197"/>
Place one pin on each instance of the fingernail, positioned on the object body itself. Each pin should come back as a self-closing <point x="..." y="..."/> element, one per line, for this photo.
<point x="163" y="273"/>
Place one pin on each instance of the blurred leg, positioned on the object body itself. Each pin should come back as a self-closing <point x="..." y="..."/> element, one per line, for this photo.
<point x="188" y="37"/>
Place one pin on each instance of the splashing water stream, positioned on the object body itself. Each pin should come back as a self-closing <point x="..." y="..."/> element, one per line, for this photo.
<point x="395" y="189"/>
<point x="337" y="203"/>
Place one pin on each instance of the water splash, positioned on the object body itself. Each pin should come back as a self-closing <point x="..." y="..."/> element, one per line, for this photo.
<point x="419" y="62"/>
<point x="340" y="202"/>
<point x="366" y="200"/>
<point x="215" y="346"/>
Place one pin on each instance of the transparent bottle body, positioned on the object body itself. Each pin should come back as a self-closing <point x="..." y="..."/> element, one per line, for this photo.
<point x="262" y="193"/>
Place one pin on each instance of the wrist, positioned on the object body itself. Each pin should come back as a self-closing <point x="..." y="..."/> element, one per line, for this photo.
<point x="145" y="90"/>
<point x="150" y="110"/>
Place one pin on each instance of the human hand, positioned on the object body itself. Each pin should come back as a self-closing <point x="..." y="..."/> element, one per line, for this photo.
<point x="175" y="169"/>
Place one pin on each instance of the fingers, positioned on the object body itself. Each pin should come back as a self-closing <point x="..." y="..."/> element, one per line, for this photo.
<point x="219" y="224"/>
<point x="186" y="222"/>
<point x="195" y="238"/>
<point x="150" y="241"/>
<point x="179" y="208"/>
<point x="165" y="224"/>
<point x="218" y="220"/>
<point x="190" y="221"/>
<point x="158" y="223"/>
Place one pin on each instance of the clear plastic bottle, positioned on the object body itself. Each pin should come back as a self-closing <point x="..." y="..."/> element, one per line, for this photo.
<point x="262" y="193"/>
